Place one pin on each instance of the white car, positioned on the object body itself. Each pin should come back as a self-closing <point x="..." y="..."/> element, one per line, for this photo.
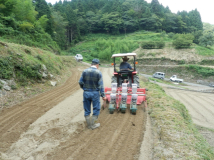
<point x="160" y="75"/>
<point x="175" y="79"/>
<point x="78" y="57"/>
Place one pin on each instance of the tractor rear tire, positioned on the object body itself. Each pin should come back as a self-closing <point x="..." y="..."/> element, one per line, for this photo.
<point x="136" y="80"/>
<point x="113" y="79"/>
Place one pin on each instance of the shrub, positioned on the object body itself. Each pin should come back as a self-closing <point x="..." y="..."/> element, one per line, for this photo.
<point x="182" y="43"/>
<point x="148" y="45"/>
<point x="6" y="68"/>
<point x="163" y="34"/>
<point x="171" y="34"/>
<point x="160" y="44"/>
<point x="13" y="87"/>
<point x="204" y="71"/>
<point x="152" y="44"/>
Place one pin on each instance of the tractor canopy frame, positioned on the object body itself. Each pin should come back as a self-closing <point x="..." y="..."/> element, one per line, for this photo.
<point x="123" y="55"/>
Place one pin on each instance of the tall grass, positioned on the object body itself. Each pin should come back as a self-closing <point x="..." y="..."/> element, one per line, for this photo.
<point x="204" y="51"/>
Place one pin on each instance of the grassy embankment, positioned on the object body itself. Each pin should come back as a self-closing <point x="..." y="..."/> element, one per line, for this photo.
<point x="176" y="137"/>
<point x="43" y="41"/>
<point x="24" y="65"/>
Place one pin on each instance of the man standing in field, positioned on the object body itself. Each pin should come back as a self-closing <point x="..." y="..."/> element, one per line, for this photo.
<point x="91" y="82"/>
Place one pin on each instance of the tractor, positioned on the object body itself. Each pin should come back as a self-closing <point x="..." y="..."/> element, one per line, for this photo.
<point x="125" y="88"/>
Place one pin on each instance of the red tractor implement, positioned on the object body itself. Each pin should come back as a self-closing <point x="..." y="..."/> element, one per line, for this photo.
<point x="125" y="89"/>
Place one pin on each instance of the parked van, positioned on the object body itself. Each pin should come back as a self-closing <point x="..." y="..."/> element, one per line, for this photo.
<point x="159" y="75"/>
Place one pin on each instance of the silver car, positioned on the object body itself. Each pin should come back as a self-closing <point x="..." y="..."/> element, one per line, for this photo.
<point x="159" y="75"/>
<point x="78" y="57"/>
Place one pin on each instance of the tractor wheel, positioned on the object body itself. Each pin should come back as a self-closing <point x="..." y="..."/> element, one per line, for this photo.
<point x="136" y="80"/>
<point x="113" y="79"/>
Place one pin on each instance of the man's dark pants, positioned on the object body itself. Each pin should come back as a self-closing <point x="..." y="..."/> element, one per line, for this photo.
<point x="94" y="98"/>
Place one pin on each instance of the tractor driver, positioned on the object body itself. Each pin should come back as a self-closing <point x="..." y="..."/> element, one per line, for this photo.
<point x="125" y="65"/>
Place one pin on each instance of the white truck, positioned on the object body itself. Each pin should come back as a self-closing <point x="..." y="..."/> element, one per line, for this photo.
<point x="78" y="57"/>
<point x="175" y="79"/>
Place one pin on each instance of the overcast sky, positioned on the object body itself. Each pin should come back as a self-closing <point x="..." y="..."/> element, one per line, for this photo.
<point x="205" y="7"/>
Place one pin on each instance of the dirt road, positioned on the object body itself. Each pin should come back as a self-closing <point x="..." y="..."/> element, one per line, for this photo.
<point x="52" y="126"/>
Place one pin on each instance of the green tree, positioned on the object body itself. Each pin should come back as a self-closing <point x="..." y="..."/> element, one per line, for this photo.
<point x="206" y="39"/>
<point x="25" y="11"/>
<point x="42" y="8"/>
<point x="195" y="19"/>
<point x="197" y="35"/>
<point x="112" y="22"/>
<point x="59" y="29"/>
<point x="42" y="22"/>
<point x="156" y="8"/>
<point x="6" y="7"/>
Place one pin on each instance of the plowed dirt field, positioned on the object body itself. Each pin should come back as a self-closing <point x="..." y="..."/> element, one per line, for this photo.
<point x="200" y="105"/>
<point x="52" y="126"/>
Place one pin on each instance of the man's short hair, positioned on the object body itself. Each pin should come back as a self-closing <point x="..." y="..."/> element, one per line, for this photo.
<point x="93" y="64"/>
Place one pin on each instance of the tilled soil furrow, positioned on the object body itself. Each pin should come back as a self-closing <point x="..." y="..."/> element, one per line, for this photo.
<point x="131" y="146"/>
<point x="122" y="136"/>
<point x="128" y="146"/>
<point x="30" y="108"/>
<point x="194" y="103"/>
<point x="102" y="142"/>
<point x="11" y="132"/>
<point x="58" y="96"/>
<point x="105" y="142"/>
<point x="71" y="86"/>
<point x="71" y="149"/>
<point x="203" y="105"/>
<point x="16" y="120"/>
<point x="207" y="99"/>
<point x="183" y="99"/>
<point x="34" y="101"/>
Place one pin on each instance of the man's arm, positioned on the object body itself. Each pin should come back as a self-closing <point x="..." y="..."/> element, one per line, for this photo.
<point x="100" y="86"/>
<point x="130" y="67"/>
<point x="81" y="82"/>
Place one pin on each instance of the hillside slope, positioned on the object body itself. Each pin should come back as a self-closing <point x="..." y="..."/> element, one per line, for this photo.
<point x="27" y="71"/>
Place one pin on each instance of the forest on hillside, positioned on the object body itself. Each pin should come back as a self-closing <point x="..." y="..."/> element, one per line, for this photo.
<point x="59" y="26"/>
